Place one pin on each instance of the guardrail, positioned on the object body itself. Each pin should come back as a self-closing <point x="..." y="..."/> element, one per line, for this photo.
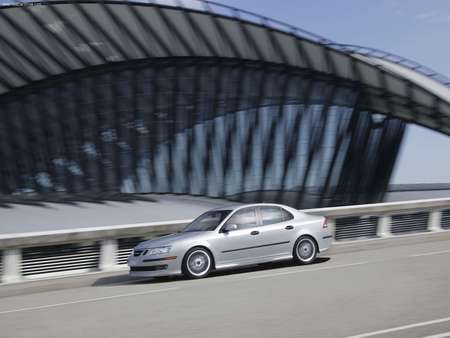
<point x="53" y="253"/>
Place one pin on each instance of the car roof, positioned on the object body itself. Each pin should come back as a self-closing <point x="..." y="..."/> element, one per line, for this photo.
<point x="240" y="206"/>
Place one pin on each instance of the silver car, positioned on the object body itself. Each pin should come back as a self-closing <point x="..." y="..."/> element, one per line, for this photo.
<point x="233" y="237"/>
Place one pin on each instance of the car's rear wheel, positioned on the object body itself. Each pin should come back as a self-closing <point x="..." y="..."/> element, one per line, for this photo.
<point x="305" y="250"/>
<point x="197" y="263"/>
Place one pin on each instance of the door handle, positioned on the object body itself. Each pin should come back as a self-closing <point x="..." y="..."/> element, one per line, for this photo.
<point x="254" y="232"/>
<point x="289" y="227"/>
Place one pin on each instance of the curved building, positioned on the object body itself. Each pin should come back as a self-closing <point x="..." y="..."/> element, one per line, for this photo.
<point x="122" y="96"/>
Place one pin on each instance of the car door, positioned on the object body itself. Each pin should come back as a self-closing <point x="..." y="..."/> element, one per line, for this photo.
<point x="277" y="231"/>
<point x="241" y="246"/>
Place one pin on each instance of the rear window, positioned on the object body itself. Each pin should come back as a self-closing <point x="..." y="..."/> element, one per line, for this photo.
<point x="286" y="215"/>
<point x="274" y="214"/>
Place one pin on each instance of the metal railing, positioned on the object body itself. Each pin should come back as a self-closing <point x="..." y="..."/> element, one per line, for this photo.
<point x="54" y="253"/>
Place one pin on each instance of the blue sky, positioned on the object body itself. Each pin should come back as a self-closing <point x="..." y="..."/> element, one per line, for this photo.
<point x="416" y="29"/>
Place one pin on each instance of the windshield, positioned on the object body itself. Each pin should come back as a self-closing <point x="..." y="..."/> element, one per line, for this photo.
<point x="207" y="221"/>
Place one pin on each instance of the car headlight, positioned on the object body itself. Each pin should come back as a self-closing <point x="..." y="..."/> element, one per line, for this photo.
<point x="157" y="251"/>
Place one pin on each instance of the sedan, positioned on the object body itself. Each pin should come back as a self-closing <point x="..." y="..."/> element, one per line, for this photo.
<point x="233" y="237"/>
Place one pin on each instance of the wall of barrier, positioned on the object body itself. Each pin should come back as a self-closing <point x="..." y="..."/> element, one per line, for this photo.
<point x="50" y="254"/>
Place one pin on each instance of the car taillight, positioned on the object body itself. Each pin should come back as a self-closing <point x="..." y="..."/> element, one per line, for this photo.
<point x="325" y="223"/>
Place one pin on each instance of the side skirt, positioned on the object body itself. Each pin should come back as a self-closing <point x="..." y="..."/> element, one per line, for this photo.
<point x="263" y="260"/>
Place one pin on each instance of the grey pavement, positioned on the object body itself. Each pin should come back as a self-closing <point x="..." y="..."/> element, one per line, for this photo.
<point x="17" y="218"/>
<point x="404" y="289"/>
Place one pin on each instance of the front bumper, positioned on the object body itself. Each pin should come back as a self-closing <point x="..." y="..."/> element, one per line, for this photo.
<point x="149" y="266"/>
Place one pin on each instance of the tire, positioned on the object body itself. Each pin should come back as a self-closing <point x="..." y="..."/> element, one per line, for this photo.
<point x="305" y="250"/>
<point x="197" y="263"/>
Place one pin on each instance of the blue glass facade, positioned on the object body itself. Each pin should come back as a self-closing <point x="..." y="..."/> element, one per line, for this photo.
<point x="242" y="130"/>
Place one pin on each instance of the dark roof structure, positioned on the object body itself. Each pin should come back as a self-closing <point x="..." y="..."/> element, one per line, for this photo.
<point x="43" y="40"/>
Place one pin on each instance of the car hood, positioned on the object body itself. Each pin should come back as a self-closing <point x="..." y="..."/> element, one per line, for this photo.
<point x="169" y="239"/>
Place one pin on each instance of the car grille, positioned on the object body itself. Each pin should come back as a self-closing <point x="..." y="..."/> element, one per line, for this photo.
<point x="149" y="268"/>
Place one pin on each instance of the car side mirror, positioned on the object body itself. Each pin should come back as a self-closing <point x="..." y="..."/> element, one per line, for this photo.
<point x="229" y="227"/>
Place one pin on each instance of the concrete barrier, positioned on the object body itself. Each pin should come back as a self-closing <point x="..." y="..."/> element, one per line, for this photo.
<point x="55" y="253"/>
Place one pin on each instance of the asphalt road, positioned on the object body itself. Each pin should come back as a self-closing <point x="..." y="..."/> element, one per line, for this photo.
<point x="401" y="291"/>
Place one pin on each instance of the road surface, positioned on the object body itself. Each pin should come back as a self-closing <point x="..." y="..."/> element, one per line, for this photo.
<point x="401" y="291"/>
<point x="126" y="209"/>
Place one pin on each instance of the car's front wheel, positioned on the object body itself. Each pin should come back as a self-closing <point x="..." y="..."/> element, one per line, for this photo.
<point x="197" y="263"/>
<point x="305" y="250"/>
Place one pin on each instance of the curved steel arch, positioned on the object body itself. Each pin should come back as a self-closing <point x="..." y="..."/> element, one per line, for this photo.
<point x="54" y="36"/>
<point x="394" y="58"/>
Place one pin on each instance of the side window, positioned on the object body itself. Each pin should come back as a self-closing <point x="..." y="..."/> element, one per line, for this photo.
<point x="245" y="218"/>
<point x="286" y="215"/>
<point x="271" y="215"/>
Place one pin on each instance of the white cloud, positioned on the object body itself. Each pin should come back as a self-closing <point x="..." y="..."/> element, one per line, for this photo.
<point x="433" y="17"/>
<point x="427" y="15"/>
